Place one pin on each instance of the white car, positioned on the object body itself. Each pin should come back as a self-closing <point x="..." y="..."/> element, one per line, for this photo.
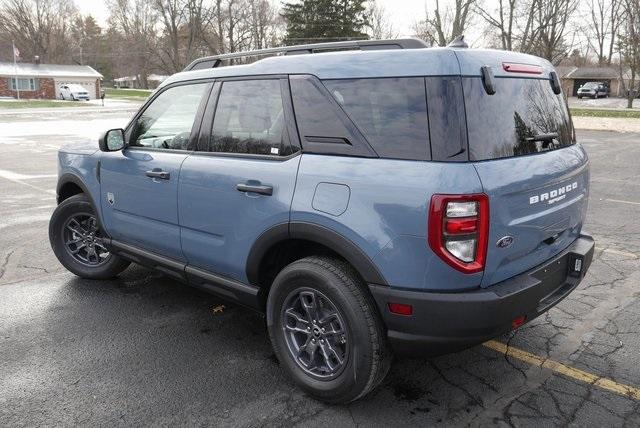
<point x="73" y="92"/>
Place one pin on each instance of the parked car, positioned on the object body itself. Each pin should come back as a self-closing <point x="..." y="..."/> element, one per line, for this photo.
<point x="74" y="92"/>
<point x="593" y="90"/>
<point x="416" y="201"/>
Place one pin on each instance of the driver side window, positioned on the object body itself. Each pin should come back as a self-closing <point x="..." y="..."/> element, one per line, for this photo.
<point x="166" y="123"/>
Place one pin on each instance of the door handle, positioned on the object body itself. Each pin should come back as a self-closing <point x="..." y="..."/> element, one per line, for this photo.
<point x="158" y="173"/>
<point x="255" y="188"/>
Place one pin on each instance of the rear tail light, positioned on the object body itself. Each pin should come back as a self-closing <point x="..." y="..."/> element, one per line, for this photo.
<point x="512" y="67"/>
<point x="459" y="230"/>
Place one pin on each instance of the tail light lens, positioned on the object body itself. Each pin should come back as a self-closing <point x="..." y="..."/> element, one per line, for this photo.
<point x="459" y="230"/>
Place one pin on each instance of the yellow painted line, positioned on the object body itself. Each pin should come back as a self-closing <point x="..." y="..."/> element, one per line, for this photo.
<point x="580" y="375"/>
<point x="623" y="202"/>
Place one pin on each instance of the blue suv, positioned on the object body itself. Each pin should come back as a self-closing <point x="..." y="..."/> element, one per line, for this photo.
<point x="369" y="197"/>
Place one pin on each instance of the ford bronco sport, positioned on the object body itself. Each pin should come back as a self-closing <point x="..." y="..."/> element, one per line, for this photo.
<point x="381" y="197"/>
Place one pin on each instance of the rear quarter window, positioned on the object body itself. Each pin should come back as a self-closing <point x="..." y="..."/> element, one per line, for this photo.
<point x="390" y="112"/>
<point x="506" y="123"/>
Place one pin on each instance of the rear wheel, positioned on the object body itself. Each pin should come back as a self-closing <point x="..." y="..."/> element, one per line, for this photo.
<point x="325" y="330"/>
<point x="78" y="242"/>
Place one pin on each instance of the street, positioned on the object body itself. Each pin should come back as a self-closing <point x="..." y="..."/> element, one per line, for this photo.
<point x="145" y="350"/>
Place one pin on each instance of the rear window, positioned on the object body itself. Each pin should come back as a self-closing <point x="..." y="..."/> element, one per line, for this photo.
<point x="524" y="116"/>
<point x="390" y="112"/>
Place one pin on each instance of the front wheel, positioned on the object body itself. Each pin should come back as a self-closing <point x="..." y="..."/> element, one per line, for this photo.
<point x="326" y="331"/>
<point x="78" y="242"/>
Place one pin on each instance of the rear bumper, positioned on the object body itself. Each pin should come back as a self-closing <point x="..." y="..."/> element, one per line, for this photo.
<point x="448" y="322"/>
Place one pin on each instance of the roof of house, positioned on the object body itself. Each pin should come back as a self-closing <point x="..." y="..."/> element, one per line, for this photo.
<point x="565" y="70"/>
<point x="47" y="70"/>
<point x="594" y="73"/>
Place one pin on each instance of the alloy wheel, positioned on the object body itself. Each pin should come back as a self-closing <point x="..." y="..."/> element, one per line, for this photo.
<point x="315" y="332"/>
<point x="83" y="240"/>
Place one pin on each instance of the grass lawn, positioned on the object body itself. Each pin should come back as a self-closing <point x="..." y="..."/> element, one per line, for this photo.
<point x="40" y="104"/>
<point x="127" y="94"/>
<point x="632" y="114"/>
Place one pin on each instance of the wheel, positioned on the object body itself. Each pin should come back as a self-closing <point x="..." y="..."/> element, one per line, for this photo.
<point x="62" y="97"/>
<point x="326" y="331"/>
<point x="579" y="98"/>
<point x="77" y="241"/>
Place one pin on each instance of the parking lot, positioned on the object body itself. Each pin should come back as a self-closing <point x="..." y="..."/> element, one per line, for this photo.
<point x="144" y="350"/>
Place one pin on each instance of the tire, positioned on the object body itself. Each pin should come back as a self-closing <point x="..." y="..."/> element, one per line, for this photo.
<point x="361" y="341"/>
<point x="62" y="97"/>
<point x="579" y="98"/>
<point x="67" y="227"/>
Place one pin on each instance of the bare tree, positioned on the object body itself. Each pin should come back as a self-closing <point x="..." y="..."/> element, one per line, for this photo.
<point x="546" y="29"/>
<point x="603" y="28"/>
<point x="38" y="27"/>
<point x="448" y="22"/>
<point x="379" y="25"/>
<point x="629" y="48"/>
<point x="135" y="20"/>
<point x="502" y="20"/>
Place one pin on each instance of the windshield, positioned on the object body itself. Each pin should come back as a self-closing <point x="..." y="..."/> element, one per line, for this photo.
<point x="589" y="85"/>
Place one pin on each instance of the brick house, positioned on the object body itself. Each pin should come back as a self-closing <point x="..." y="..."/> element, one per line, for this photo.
<point x="43" y="81"/>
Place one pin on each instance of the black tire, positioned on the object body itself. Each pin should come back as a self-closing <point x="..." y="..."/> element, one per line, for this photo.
<point x="365" y="355"/>
<point x="100" y="264"/>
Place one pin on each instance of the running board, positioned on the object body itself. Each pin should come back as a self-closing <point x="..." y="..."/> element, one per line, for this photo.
<point x="226" y="288"/>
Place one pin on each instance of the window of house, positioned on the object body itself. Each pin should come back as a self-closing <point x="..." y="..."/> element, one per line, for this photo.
<point x="23" y="84"/>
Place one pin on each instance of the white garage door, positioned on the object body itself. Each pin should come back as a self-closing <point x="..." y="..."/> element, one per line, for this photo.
<point x="89" y="85"/>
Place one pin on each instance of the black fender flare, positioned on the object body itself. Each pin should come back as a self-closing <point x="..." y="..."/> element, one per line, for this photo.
<point x="314" y="233"/>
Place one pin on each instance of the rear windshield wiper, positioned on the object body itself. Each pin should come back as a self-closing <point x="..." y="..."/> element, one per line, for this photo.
<point x="544" y="137"/>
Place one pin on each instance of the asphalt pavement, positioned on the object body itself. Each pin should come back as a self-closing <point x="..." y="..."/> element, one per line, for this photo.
<point x="144" y="350"/>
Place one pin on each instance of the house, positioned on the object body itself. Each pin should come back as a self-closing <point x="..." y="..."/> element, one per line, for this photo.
<point x="153" y="81"/>
<point x="35" y="80"/>
<point x="574" y="77"/>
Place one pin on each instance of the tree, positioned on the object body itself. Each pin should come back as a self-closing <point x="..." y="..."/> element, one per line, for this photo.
<point x="603" y="28"/>
<point x="447" y="23"/>
<point x="325" y="20"/>
<point x="379" y="25"/>
<point x="38" y="27"/>
<point x="133" y="25"/>
<point x="629" y="47"/>
<point x="502" y="20"/>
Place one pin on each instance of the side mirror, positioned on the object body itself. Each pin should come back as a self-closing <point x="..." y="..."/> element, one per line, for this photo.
<point x="112" y="140"/>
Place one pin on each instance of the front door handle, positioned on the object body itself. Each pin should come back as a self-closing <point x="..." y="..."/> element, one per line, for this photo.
<point x="158" y="173"/>
<point x="255" y="188"/>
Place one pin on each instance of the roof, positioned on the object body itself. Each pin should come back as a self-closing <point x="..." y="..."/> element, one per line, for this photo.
<point x="374" y="63"/>
<point x="564" y="70"/>
<point x="594" y="73"/>
<point x="47" y="70"/>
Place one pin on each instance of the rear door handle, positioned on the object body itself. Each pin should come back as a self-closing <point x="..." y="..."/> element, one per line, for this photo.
<point x="158" y="173"/>
<point x="255" y="188"/>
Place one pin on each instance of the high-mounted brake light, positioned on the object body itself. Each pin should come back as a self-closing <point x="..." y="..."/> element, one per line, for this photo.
<point x="459" y="230"/>
<point x="513" y="67"/>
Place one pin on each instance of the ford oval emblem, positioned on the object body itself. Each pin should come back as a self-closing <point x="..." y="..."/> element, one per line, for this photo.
<point x="505" y="241"/>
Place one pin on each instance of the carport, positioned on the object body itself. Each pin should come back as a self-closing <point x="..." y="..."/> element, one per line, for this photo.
<point x="578" y="76"/>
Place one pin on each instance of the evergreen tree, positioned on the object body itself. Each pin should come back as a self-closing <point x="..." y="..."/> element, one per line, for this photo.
<point x="316" y="21"/>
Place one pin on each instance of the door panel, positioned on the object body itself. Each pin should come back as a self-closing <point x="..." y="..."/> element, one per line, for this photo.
<point x="219" y="222"/>
<point x="241" y="180"/>
<point x="139" y="185"/>
<point x="138" y="209"/>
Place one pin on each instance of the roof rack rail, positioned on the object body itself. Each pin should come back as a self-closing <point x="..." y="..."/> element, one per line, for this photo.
<point x="216" y="60"/>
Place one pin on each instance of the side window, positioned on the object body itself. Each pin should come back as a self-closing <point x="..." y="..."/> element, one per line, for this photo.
<point x="250" y="119"/>
<point x="446" y="119"/>
<point x="390" y="112"/>
<point x="166" y="123"/>
<point x="323" y="126"/>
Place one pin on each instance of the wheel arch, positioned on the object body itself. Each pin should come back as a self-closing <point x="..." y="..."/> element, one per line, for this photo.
<point x="311" y="234"/>
<point x="70" y="185"/>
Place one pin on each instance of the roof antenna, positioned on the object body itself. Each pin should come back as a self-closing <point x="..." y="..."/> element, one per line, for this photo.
<point x="458" y="42"/>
